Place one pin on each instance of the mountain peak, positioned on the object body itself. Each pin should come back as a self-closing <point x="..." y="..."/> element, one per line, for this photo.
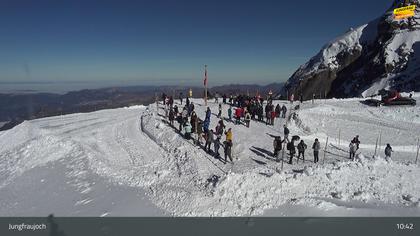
<point x="380" y="54"/>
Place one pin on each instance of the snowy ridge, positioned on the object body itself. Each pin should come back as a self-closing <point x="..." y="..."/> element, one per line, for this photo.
<point x="377" y="55"/>
<point x="327" y="57"/>
<point x="103" y="164"/>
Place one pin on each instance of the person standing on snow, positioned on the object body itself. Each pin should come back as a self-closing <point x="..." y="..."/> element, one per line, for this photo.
<point x="301" y="149"/>
<point x="238" y="114"/>
<point x="199" y="131"/>
<point x="277" y="145"/>
<point x="193" y="120"/>
<point x="230" y="113"/>
<point x="283" y="111"/>
<point x="247" y="119"/>
<point x="191" y="108"/>
<point x="220" y="127"/>
<point x="273" y="117"/>
<point x="292" y="150"/>
<point x="267" y="114"/>
<point x="219" y="115"/>
<point x="228" y="145"/>
<point x="388" y="151"/>
<point x="206" y="125"/>
<point x="185" y="115"/>
<point x="216" y="98"/>
<point x="180" y="121"/>
<point x="208" y="113"/>
<point x="180" y="97"/>
<point x="171" y="117"/>
<point x="352" y="149"/>
<point x="316" y="147"/>
<point x="278" y="111"/>
<point x="209" y="140"/>
<point x="356" y="141"/>
<point x="217" y="145"/>
<point x="187" y="131"/>
<point x="286" y="133"/>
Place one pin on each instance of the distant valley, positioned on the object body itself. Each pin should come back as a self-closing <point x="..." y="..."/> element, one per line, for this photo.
<point x="15" y="108"/>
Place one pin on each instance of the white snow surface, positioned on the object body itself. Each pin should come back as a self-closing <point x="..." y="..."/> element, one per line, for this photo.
<point x="115" y="163"/>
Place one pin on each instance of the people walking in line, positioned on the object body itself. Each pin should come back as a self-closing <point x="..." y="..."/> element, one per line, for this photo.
<point x="316" y="147"/>
<point x="301" y="149"/>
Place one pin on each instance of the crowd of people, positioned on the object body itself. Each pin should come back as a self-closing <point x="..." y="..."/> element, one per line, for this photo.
<point x="242" y="110"/>
<point x="193" y="127"/>
<point x="249" y="109"/>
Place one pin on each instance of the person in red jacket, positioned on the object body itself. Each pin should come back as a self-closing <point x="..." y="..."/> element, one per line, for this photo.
<point x="273" y="116"/>
<point x="238" y="115"/>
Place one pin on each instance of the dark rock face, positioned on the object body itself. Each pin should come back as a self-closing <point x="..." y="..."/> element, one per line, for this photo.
<point x="383" y="53"/>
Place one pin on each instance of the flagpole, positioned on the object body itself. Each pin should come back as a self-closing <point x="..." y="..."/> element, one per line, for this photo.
<point x="205" y="84"/>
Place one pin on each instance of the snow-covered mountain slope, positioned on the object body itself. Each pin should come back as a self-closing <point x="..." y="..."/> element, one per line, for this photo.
<point x="381" y="54"/>
<point x="128" y="161"/>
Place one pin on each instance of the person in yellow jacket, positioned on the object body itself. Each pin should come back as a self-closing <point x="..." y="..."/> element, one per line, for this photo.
<point x="228" y="145"/>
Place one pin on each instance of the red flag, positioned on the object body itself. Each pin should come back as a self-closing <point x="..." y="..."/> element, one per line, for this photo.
<point x="205" y="76"/>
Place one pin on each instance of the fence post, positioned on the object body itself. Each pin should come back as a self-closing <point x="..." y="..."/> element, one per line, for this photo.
<point x="418" y="149"/>
<point x="376" y="147"/>
<point x="141" y="123"/>
<point x="325" y="151"/>
<point x="380" y="141"/>
<point x="282" y="156"/>
<point x="339" y="137"/>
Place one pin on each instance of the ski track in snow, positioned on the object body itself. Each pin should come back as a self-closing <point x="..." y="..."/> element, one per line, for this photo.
<point x="175" y="173"/>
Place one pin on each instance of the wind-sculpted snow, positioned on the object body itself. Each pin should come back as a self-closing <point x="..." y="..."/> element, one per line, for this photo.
<point x="87" y="163"/>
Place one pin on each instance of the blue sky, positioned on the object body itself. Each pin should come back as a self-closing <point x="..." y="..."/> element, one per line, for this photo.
<point x="168" y="42"/>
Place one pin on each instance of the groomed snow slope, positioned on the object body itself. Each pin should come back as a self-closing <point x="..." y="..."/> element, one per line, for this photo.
<point x="102" y="163"/>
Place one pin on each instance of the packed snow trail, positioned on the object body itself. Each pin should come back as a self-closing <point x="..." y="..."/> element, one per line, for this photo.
<point x="107" y="162"/>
